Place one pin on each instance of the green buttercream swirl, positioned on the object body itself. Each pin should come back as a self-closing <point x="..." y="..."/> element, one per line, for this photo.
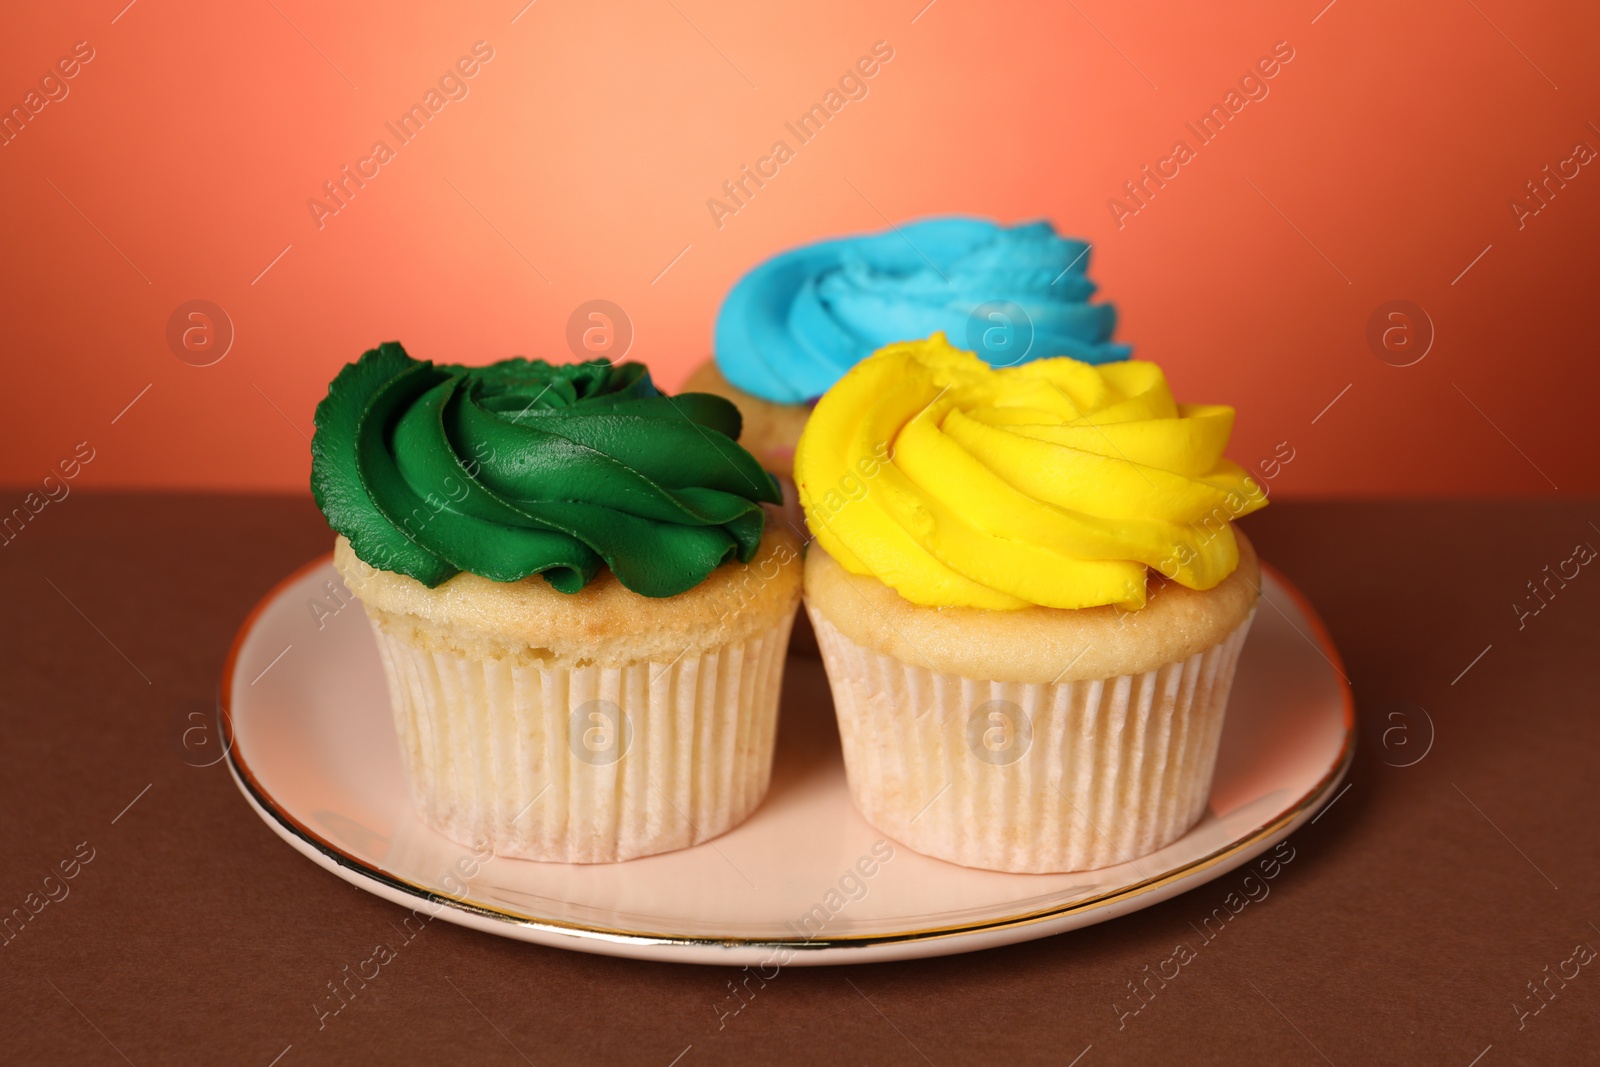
<point x="523" y="468"/>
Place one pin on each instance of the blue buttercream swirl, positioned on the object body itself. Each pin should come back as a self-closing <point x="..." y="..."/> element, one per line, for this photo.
<point x="795" y="324"/>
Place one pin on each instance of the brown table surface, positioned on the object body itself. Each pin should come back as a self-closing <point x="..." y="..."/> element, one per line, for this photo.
<point x="1406" y="930"/>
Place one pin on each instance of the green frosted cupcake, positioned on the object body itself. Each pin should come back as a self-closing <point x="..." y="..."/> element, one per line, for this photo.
<point x="580" y="607"/>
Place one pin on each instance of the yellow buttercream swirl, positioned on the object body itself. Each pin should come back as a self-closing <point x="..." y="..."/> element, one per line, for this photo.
<point x="1054" y="483"/>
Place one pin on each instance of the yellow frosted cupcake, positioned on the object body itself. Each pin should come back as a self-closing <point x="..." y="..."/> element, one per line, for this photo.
<point x="1030" y="600"/>
<point x="581" y="612"/>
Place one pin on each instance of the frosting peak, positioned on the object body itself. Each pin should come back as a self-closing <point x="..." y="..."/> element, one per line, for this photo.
<point x="1054" y="483"/>
<point x="792" y="326"/>
<point x="523" y="468"/>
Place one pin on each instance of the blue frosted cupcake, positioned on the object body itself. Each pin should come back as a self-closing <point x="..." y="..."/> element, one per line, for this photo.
<point x="796" y="323"/>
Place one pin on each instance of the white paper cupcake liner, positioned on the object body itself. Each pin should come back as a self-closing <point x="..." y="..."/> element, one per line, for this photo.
<point x="1013" y="776"/>
<point x="587" y="765"/>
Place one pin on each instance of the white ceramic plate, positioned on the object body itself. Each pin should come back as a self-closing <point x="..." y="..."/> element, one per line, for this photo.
<point x="312" y="746"/>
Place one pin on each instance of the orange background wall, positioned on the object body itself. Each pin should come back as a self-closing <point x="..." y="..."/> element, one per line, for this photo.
<point x="1379" y="167"/>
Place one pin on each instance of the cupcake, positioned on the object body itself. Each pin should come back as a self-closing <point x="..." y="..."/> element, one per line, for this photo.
<point x="792" y="326"/>
<point x="1030" y="599"/>
<point x="580" y="609"/>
